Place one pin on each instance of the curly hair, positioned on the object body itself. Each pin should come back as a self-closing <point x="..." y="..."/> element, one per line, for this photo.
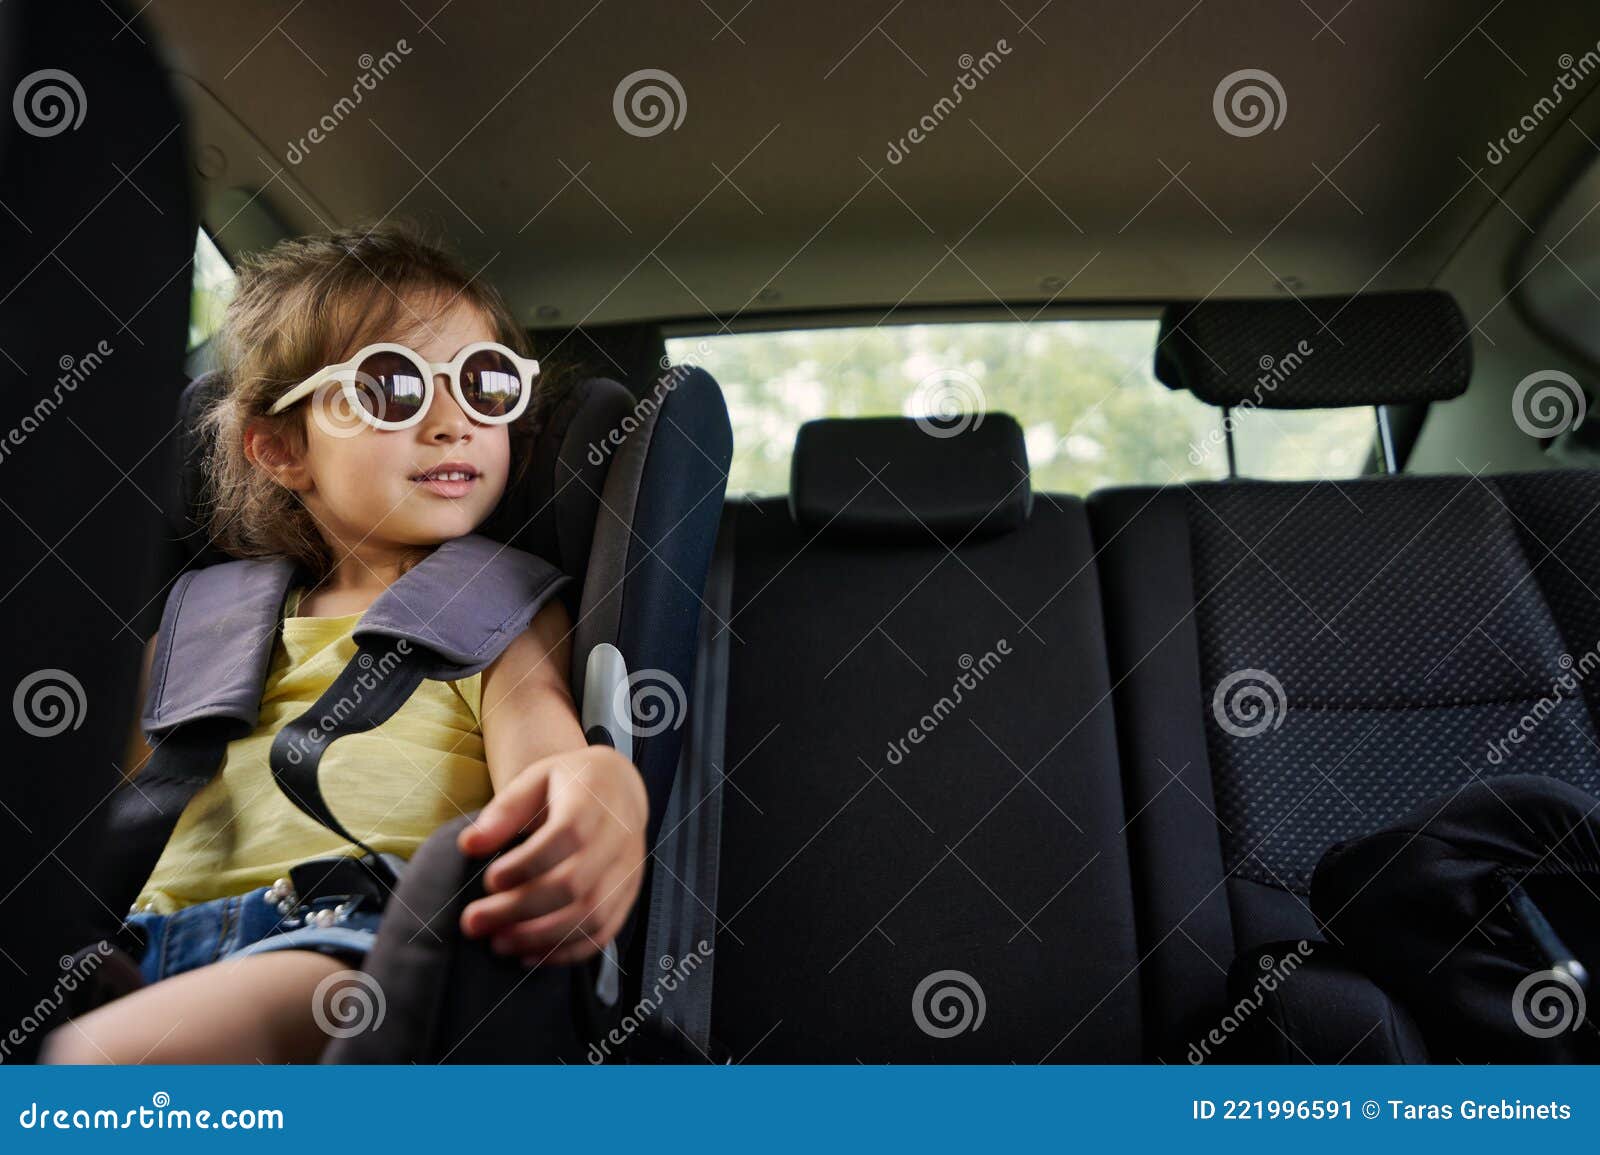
<point x="306" y="303"/>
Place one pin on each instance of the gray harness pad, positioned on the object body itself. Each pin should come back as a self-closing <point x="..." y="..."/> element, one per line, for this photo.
<point x="461" y="605"/>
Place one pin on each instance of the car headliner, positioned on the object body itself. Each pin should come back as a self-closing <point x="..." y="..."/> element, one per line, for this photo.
<point x="1087" y="165"/>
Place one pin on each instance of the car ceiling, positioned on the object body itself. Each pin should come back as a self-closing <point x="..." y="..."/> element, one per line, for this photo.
<point x="1088" y="165"/>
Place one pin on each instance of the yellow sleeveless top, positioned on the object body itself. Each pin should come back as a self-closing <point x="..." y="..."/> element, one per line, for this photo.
<point x="391" y="786"/>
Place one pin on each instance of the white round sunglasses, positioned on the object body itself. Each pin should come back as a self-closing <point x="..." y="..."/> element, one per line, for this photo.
<point x="390" y="386"/>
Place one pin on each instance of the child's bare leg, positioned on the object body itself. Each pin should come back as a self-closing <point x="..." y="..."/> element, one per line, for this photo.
<point x="233" y="1011"/>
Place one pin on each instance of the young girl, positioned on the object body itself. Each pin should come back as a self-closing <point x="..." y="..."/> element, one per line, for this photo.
<point x="230" y="978"/>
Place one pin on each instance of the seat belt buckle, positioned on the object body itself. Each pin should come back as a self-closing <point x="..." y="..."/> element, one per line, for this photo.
<point x="369" y="876"/>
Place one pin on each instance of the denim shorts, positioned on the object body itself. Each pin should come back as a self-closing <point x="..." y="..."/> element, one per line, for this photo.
<point x="253" y="923"/>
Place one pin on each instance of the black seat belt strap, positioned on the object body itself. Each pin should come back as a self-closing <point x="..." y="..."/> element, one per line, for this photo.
<point x="143" y="811"/>
<point x="682" y="931"/>
<point x="372" y="686"/>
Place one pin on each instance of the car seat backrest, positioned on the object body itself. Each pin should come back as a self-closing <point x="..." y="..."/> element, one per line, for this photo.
<point x="96" y="233"/>
<point x="1345" y="650"/>
<point x="921" y="847"/>
<point x="1407" y="630"/>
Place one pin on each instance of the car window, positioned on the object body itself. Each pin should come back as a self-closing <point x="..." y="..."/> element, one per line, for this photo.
<point x="1092" y="412"/>
<point x="212" y="289"/>
<point x="1304" y="443"/>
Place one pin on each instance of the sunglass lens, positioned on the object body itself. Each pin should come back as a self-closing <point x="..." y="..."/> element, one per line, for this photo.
<point x="390" y="387"/>
<point x="491" y="383"/>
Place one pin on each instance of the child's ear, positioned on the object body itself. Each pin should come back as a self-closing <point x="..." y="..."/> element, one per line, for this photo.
<point x="273" y="452"/>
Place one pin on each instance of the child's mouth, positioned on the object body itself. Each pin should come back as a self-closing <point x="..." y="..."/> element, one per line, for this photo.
<point x="452" y="479"/>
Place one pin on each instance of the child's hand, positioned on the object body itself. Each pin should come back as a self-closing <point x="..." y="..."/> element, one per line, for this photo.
<point x="564" y="893"/>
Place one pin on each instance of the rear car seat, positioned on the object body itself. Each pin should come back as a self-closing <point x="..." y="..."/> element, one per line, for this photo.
<point x="1299" y="663"/>
<point x="921" y="848"/>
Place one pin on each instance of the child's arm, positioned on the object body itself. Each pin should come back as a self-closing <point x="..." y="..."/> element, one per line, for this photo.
<point x="565" y="892"/>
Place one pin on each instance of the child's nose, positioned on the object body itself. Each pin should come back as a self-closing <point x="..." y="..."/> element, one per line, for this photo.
<point x="446" y="421"/>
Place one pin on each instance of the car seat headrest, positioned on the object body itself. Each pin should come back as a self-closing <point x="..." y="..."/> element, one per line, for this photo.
<point x="551" y="513"/>
<point x="902" y="478"/>
<point x="1317" y="352"/>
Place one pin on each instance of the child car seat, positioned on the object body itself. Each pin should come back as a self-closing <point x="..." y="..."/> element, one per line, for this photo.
<point x="624" y="498"/>
<point x="1479" y="913"/>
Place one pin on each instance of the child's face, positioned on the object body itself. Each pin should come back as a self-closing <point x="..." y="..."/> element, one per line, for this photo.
<point x="365" y="486"/>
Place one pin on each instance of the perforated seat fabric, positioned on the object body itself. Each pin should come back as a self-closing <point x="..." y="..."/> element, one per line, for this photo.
<point x="1375" y="644"/>
<point x="988" y="858"/>
<point x="1408" y="631"/>
<point x="1557" y="518"/>
<point x="1314" y="352"/>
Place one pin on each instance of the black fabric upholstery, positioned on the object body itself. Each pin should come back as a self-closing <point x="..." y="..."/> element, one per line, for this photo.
<point x="1185" y="932"/>
<point x="1351" y="651"/>
<point x="898" y="478"/>
<point x="95" y="241"/>
<point x="1422" y="905"/>
<point x="658" y="518"/>
<point x="448" y="1000"/>
<point x="552" y="513"/>
<point x="1317" y="352"/>
<point x="1299" y="1002"/>
<point x="1557" y="518"/>
<point x="681" y="923"/>
<point x="993" y="846"/>
<point x="1402" y="622"/>
<point x="632" y="353"/>
<point x="654" y="531"/>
